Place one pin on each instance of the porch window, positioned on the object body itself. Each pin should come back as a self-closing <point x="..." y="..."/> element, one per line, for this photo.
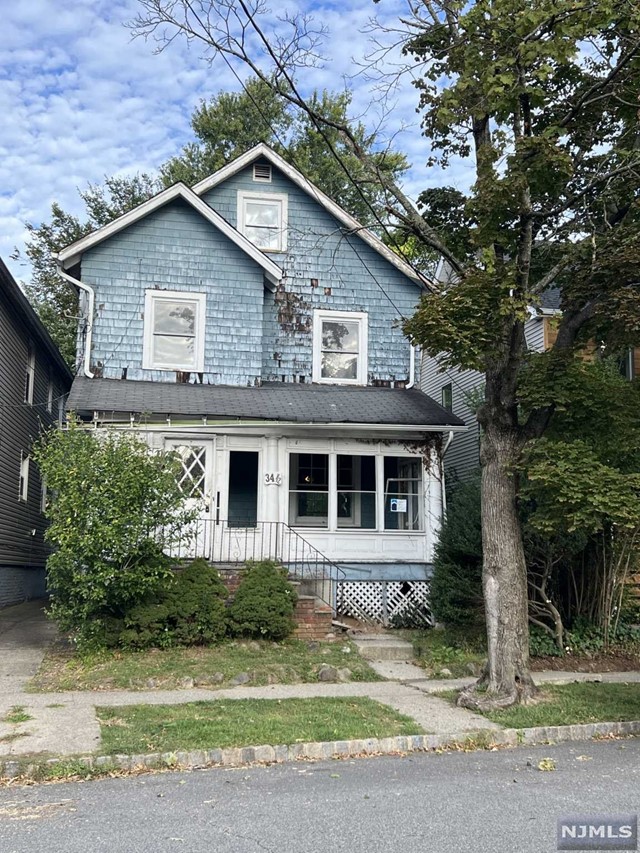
<point x="309" y="489"/>
<point x="356" y="478"/>
<point x="174" y="331"/>
<point x="340" y="347"/>
<point x="403" y="498"/>
<point x="343" y="492"/>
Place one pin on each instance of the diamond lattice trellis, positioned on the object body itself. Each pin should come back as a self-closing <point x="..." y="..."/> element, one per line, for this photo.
<point x="385" y="601"/>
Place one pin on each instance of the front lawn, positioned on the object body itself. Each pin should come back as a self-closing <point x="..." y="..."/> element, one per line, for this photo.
<point x="563" y="705"/>
<point x="289" y="662"/>
<point x="459" y="653"/>
<point x="246" y="722"/>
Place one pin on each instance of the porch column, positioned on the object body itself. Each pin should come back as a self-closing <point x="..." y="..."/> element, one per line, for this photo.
<point x="433" y="502"/>
<point x="273" y="480"/>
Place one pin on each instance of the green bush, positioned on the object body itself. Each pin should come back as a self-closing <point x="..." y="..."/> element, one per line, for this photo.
<point x="264" y="603"/>
<point x="456" y="584"/>
<point x="190" y="611"/>
<point x="108" y="492"/>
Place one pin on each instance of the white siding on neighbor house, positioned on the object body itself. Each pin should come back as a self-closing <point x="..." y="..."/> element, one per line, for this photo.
<point x="534" y="333"/>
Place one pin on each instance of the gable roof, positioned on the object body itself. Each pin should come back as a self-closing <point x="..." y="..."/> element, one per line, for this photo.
<point x="22" y="307"/>
<point x="263" y="151"/>
<point x="70" y="255"/>
<point x="273" y="401"/>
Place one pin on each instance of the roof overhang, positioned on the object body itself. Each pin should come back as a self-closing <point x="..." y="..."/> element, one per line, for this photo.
<point x="71" y="255"/>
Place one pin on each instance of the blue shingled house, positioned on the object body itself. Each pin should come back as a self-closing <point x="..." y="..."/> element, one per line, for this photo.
<point x="250" y="324"/>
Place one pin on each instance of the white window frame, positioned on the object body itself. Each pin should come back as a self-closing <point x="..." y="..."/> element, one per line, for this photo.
<point x="30" y="376"/>
<point x="280" y="198"/>
<point x="23" y="482"/>
<point x="318" y="525"/>
<point x="151" y="297"/>
<point x="361" y="317"/>
<point x="50" y="395"/>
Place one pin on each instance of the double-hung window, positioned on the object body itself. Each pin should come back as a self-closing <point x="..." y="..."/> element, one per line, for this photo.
<point x="30" y="376"/>
<point x="262" y="218"/>
<point x="340" y="347"/>
<point x="174" y="323"/>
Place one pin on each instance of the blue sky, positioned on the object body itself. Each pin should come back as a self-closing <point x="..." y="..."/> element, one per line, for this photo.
<point x="80" y="100"/>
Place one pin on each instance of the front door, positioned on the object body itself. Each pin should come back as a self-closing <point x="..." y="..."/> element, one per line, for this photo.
<point x="196" y="481"/>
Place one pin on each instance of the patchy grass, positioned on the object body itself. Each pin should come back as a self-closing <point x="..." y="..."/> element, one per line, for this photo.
<point x="289" y="662"/>
<point x="569" y="704"/>
<point x="17" y="714"/>
<point x="246" y="722"/>
<point x="459" y="652"/>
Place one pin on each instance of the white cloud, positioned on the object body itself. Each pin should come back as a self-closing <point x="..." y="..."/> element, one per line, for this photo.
<point x="81" y="99"/>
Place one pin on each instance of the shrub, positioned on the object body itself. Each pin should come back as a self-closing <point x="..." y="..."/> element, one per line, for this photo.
<point x="108" y="492"/>
<point x="456" y="584"/>
<point x="190" y="611"/>
<point x="264" y="603"/>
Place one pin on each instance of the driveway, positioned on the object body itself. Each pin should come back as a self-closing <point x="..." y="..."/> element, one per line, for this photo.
<point x="25" y="633"/>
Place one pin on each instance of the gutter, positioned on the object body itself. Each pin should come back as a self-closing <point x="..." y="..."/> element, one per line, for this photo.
<point x="92" y="301"/>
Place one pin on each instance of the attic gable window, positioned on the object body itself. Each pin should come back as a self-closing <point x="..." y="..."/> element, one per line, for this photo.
<point x="174" y="323"/>
<point x="340" y="347"/>
<point x="262" y="218"/>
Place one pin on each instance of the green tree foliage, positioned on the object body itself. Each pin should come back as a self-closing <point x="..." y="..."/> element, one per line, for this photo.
<point x="456" y="583"/>
<point x="233" y="122"/>
<point x="109" y="493"/>
<point x="264" y="603"/>
<point x="54" y="299"/>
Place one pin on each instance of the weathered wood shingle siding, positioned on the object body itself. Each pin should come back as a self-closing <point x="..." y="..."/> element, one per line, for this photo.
<point x="326" y="268"/>
<point x="22" y="548"/>
<point x="174" y="248"/>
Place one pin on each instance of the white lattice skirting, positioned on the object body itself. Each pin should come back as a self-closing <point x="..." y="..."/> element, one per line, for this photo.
<point x="405" y="603"/>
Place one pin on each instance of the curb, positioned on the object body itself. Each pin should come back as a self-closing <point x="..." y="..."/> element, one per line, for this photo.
<point x="314" y="751"/>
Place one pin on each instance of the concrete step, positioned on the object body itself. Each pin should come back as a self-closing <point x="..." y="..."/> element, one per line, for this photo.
<point x="383" y="647"/>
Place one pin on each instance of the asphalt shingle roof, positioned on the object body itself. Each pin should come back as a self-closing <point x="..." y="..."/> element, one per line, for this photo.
<point x="320" y="404"/>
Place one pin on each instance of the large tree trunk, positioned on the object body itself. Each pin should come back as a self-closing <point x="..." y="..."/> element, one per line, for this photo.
<point x="506" y="679"/>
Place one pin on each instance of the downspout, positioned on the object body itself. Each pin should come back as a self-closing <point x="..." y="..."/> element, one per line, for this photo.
<point x="92" y="301"/>
<point x="412" y="368"/>
<point x="443" y="484"/>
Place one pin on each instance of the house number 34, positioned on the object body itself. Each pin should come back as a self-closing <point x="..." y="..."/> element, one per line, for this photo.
<point x="273" y="479"/>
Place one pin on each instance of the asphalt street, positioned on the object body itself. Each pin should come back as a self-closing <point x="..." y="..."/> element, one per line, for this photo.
<point x="482" y="801"/>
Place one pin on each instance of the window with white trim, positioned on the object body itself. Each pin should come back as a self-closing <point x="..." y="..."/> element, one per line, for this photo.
<point x="340" y="347"/>
<point x="262" y="218"/>
<point x="30" y="376"/>
<point x="341" y="492"/>
<point x="174" y="324"/>
<point x="23" y="485"/>
<point x="50" y="395"/>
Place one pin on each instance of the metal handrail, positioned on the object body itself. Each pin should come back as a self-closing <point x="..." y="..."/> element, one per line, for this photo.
<point x="232" y="543"/>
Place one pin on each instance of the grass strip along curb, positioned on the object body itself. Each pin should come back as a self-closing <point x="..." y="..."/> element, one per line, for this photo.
<point x="104" y="765"/>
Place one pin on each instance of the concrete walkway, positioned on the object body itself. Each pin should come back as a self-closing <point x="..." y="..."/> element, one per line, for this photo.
<point x="66" y="724"/>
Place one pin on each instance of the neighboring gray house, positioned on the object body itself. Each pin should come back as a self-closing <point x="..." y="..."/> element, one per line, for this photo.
<point x="250" y="323"/>
<point x="460" y="391"/>
<point x="34" y="381"/>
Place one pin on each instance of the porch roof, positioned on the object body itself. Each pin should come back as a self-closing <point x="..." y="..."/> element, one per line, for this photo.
<point x="273" y="401"/>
